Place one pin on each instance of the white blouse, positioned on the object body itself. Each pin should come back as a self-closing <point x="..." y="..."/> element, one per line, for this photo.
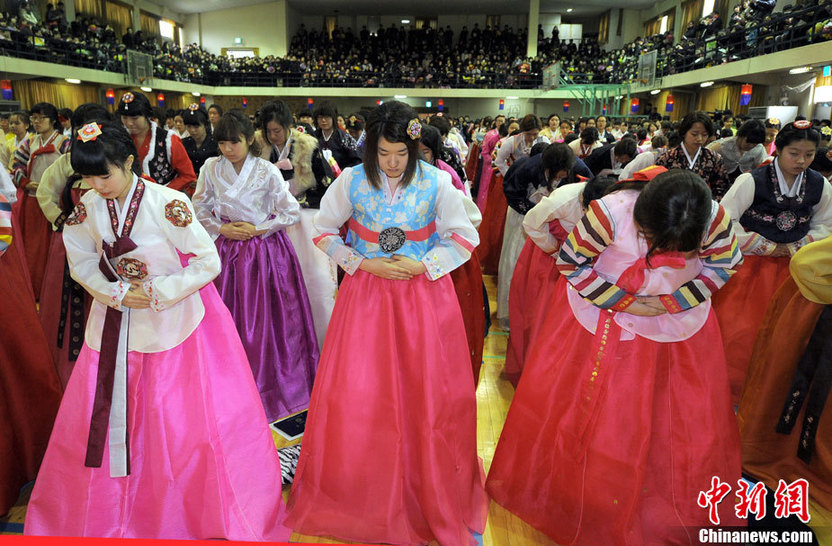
<point x="576" y="146"/>
<point x="514" y="148"/>
<point x="741" y="196"/>
<point x="163" y="229"/>
<point x="640" y="162"/>
<point x="564" y="205"/>
<point x="258" y="195"/>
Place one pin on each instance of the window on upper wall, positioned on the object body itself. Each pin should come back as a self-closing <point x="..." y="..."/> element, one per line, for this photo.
<point x="708" y="7"/>
<point x="663" y="25"/>
<point x="166" y="29"/>
<point x="426" y="22"/>
<point x="492" y="21"/>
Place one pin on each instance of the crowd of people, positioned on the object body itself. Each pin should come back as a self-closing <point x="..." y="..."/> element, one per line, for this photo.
<point x="214" y="239"/>
<point x="173" y="281"/>
<point x="425" y="58"/>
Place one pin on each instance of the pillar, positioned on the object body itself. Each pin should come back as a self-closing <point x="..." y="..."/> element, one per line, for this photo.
<point x="534" y="20"/>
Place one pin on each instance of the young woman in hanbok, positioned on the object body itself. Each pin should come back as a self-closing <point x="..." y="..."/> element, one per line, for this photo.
<point x="772" y="128"/>
<point x="302" y="164"/>
<point x="776" y="209"/>
<point x="612" y="423"/>
<point x="31" y="159"/>
<point x="244" y="203"/>
<point x="64" y="304"/>
<point x="160" y="433"/>
<point x="535" y="278"/>
<point x="161" y="154"/>
<point x="468" y="277"/>
<point x="490" y="140"/>
<point x="199" y="144"/>
<point x="696" y="129"/>
<point x="511" y="151"/>
<point x="493" y="226"/>
<point x="389" y="452"/>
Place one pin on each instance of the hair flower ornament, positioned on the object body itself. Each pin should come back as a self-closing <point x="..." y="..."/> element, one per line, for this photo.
<point x="193" y="107"/>
<point x="88" y="132"/>
<point x="414" y="129"/>
<point x="773" y="121"/>
<point x="127" y="98"/>
<point x="803" y="124"/>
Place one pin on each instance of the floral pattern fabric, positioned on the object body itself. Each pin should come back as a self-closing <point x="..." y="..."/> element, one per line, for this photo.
<point x="708" y="165"/>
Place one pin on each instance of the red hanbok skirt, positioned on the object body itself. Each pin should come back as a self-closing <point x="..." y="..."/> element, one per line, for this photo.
<point x="740" y="306"/>
<point x="532" y="287"/>
<point x="30" y="386"/>
<point x="472" y="163"/>
<point x="37" y="235"/>
<point x="493" y="226"/>
<point x="390" y="449"/>
<point x="616" y="454"/>
<point x="468" y="286"/>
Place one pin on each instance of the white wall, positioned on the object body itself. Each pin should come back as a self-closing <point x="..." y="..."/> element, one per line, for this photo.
<point x="632" y="26"/>
<point x="191" y="29"/>
<point x="263" y="26"/>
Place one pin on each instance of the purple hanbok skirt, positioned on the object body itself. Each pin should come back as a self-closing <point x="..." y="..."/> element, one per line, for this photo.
<point x="262" y="285"/>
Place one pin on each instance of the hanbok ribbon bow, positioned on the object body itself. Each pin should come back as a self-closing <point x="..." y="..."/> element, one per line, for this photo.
<point x="122" y="245"/>
<point x="633" y="277"/>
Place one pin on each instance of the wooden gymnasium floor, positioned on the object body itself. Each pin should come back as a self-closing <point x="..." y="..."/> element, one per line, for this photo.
<point x="494" y="395"/>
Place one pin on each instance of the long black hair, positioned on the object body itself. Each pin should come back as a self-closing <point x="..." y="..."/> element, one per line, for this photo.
<point x="559" y="157"/>
<point x="391" y="121"/>
<point x="596" y="188"/>
<point x="275" y="111"/>
<point x="195" y="115"/>
<point x="432" y="140"/>
<point x="673" y="210"/>
<point x="86" y="113"/>
<point x="111" y="148"/>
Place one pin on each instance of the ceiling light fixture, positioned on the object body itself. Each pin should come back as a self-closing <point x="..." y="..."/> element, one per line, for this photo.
<point x="800" y="70"/>
<point x="706" y="84"/>
<point x="511" y="97"/>
<point x="195" y="93"/>
<point x="405" y="21"/>
<point x="146" y="89"/>
<point x="569" y="10"/>
<point x="400" y="96"/>
<point x="72" y="80"/>
<point x="655" y="91"/>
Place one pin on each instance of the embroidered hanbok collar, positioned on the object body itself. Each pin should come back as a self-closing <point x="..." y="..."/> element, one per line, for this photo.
<point x="240" y="178"/>
<point x="781" y="187"/>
